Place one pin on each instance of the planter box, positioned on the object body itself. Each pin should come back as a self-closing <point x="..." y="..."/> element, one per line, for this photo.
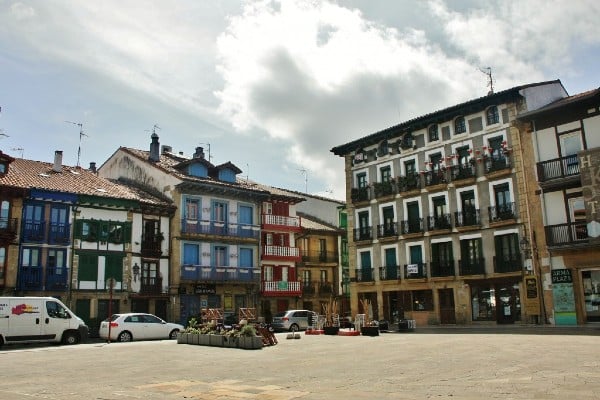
<point x="369" y="331"/>
<point x="194" y="338"/>
<point x="231" y="341"/>
<point x="331" y="330"/>
<point x="250" y="342"/>
<point x="215" y="340"/>
<point x="203" y="340"/>
<point x="182" y="338"/>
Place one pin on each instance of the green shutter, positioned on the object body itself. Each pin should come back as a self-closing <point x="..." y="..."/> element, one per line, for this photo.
<point x="113" y="267"/>
<point x="88" y="267"/>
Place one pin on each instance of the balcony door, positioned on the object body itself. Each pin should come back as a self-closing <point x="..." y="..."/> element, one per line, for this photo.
<point x="388" y="221"/>
<point x="570" y="145"/>
<point x="413" y="216"/>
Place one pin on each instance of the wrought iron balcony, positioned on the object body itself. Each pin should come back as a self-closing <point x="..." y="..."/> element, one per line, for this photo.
<point x="502" y="213"/>
<point x="389" y="273"/>
<point x="325" y="288"/>
<point x="319" y="256"/>
<point x="8" y="225"/>
<point x="508" y="263"/>
<point x="206" y="227"/>
<point x="280" y="288"/>
<point x="59" y="233"/>
<point x="363" y="233"/>
<point x="496" y="162"/>
<point x="151" y="247"/>
<point x="218" y="274"/>
<point x="462" y="171"/>
<point x="442" y="268"/>
<point x="34" y="231"/>
<point x="566" y="234"/>
<point x="472" y="266"/>
<point x="438" y="222"/>
<point x="436" y="177"/>
<point x="387" y="230"/>
<point x="467" y="218"/>
<point x="415" y="271"/>
<point x="152" y="285"/>
<point x="414" y="225"/>
<point x="360" y="194"/>
<point x="57" y="278"/>
<point x="30" y="278"/>
<point x="364" y="275"/>
<point x="384" y="188"/>
<point x="309" y="288"/>
<point x="558" y="168"/>
<point x="409" y="182"/>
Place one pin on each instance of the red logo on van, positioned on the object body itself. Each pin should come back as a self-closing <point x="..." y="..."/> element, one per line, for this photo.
<point x="23" y="309"/>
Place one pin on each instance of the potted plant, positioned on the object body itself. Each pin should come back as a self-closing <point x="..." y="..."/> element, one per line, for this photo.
<point x="369" y="328"/>
<point x="248" y="338"/>
<point x="332" y="323"/>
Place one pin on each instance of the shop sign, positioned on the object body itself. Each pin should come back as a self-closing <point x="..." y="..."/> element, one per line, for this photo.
<point x="205" y="288"/>
<point x="589" y="166"/>
<point x="532" y="299"/>
<point x="563" y="297"/>
<point x="561" y="276"/>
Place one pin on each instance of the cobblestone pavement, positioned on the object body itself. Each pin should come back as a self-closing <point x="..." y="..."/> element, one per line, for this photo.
<point x="479" y="365"/>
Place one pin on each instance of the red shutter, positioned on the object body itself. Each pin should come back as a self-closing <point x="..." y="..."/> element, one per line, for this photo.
<point x="277" y="273"/>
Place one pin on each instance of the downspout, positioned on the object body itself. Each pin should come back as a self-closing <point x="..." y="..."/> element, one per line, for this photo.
<point x="530" y="233"/>
<point x="74" y="209"/>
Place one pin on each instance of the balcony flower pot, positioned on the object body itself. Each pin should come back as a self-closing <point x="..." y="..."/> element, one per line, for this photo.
<point x="369" y="331"/>
<point x="331" y="330"/>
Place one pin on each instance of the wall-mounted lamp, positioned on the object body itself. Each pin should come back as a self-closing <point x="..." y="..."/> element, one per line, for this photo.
<point x="136" y="271"/>
<point x="525" y="247"/>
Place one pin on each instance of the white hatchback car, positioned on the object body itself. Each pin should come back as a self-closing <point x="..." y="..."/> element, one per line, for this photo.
<point x="138" y="326"/>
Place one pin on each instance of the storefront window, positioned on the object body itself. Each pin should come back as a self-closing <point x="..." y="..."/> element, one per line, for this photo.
<point x="483" y="303"/>
<point x="591" y="291"/>
<point x="422" y="300"/>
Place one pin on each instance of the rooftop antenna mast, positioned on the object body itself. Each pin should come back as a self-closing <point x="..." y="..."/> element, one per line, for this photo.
<point x="81" y="134"/>
<point x="19" y="149"/>
<point x="305" y="173"/>
<point x="488" y="72"/>
<point x="209" y="156"/>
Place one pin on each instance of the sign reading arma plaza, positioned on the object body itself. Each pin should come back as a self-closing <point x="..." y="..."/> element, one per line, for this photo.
<point x="589" y="164"/>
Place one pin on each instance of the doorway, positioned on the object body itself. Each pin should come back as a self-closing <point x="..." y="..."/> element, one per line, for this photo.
<point x="447" y="310"/>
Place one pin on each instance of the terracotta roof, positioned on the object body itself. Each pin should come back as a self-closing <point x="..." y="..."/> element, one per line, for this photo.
<point x="313" y="223"/>
<point x="285" y="194"/>
<point x="29" y="174"/>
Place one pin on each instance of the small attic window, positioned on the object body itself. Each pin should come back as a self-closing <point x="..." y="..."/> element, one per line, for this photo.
<point x="3" y="168"/>
<point x="227" y="175"/>
<point x="198" y="170"/>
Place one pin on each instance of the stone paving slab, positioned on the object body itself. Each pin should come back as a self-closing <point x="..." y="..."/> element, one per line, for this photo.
<point x="484" y="365"/>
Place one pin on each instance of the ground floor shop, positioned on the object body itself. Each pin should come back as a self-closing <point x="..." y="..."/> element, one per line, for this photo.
<point x="500" y="300"/>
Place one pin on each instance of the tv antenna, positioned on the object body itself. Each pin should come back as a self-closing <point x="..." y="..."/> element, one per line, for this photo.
<point x="209" y="156"/>
<point x="305" y="173"/>
<point x="19" y="149"/>
<point x="81" y="134"/>
<point x="488" y="72"/>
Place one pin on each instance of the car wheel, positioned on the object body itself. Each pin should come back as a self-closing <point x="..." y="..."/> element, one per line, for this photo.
<point x="70" y="338"/>
<point x="173" y="334"/>
<point x="125" y="336"/>
<point x="294" y="328"/>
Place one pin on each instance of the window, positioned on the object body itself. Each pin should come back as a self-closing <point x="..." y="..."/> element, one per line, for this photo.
<point x="56" y="261"/>
<point x="31" y="257"/>
<point x="441" y="253"/>
<point x="471" y="253"/>
<point x="386" y="174"/>
<point x="383" y="148"/>
<point x="191" y="254"/>
<point x="363" y="224"/>
<point x="4" y="214"/>
<point x="390" y="257"/>
<point x="268" y="273"/>
<point x="507" y="249"/>
<point x="436" y="161"/>
<point x="422" y="300"/>
<point x="323" y="275"/>
<point x="492" y="115"/>
<point x="192" y="207"/>
<point x="3" y="168"/>
<point x="306" y="278"/>
<point x="115" y="233"/>
<point x="365" y="260"/>
<point x="2" y="262"/>
<point x="246" y="258"/>
<point x="439" y="206"/>
<point x="410" y="168"/>
<point x="89" y="231"/>
<point x="219" y="211"/>
<point x="88" y="267"/>
<point x="459" y="125"/>
<point x="113" y="267"/>
<point x="245" y="215"/>
<point x="502" y="197"/>
<point x="361" y="180"/>
<point x="433" y="133"/>
<point x="267" y="208"/>
<point x="150" y="274"/>
<point x="220" y="256"/>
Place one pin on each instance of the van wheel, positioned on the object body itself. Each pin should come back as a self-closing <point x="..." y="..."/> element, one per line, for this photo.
<point x="125" y="337"/>
<point x="173" y="334"/>
<point x="70" y="338"/>
<point x="294" y="328"/>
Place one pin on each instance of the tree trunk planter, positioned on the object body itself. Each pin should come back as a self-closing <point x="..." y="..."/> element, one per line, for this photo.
<point x="331" y="330"/>
<point x="239" y="342"/>
<point x="369" y="331"/>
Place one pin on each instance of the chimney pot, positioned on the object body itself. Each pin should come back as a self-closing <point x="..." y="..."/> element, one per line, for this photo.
<point x="93" y="166"/>
<point x="57" y="167"/>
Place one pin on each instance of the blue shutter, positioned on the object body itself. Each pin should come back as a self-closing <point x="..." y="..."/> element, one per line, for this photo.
<point x="245" y="215"/>
<point x="190" y="254"/>
<point x="245" y="258"/>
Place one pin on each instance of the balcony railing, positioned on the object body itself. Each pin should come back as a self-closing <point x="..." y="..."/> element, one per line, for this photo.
<point x="8" y="228"/>
<point x="442" y="268"/>
<point x="415" y="271"/>
<point x="360" y="194"/>
<point x="496" y="162"/>
<point x="34" y="231"/>
<point x="467" y="218"/>
<point x="503" y="212"/>
<point x="30" y="278"/>
<point x="152" y="285"/>
<point x="409" y="182"/>
<point x="280" y="220"/>
<point x="309" y="288"/>
<point x="387" y="230"/>
<point x="151" y="247"/>
<point x="383" y="189"/>
<point x="462" y="171"/>
<point x="283" y="252"/>
<point x="364" y="275"/>
<point x="319" y="256"/>
<point x="414" y="225"/>
<point x="206" y="227"/>
<point x="472" y="266"/>
<point x="325" y="288"/>
<point x="508" y="263"/>
<point x="438" y="222"/>
<point x="57" y="278"/>
<point x="217" y="274"/>
<point x="281" y="288"/>
<point x="558" y="168"/>
<point x="436" y="177"/>
<point x="566" y="234"/>
<point x="59" y="233"/>
<point x="389" y="273"/>
<point x="363" y="233"/>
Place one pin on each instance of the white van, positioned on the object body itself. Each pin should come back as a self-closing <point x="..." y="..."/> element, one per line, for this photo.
<point x="37" y="320"/>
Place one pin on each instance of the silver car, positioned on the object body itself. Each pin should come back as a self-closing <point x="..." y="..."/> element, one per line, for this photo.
<point x="292" y="320"/>
<point x="138" y="326"/>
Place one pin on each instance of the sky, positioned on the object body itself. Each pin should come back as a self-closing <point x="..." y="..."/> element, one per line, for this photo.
<point x="269" y="85"/>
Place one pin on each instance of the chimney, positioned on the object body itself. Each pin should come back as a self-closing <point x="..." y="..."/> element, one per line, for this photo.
<point x="154" y="148"/>
<point x="93" y="166"/>
<point x="57" y="167"/>
<point x="199" y="153"/>
<point x="166" y="149"/>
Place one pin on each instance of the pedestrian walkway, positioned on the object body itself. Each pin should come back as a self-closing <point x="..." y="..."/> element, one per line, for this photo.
<point x="522" y="329"/>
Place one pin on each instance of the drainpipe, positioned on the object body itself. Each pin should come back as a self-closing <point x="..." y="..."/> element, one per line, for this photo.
<point x="75" y="210"/>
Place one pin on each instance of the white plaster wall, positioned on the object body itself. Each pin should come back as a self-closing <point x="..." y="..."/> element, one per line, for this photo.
<point x="555" y="208"/>
<point x="547" y="147"/>
<point x="591" y="127"/>
<point x="539" y="96"/>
